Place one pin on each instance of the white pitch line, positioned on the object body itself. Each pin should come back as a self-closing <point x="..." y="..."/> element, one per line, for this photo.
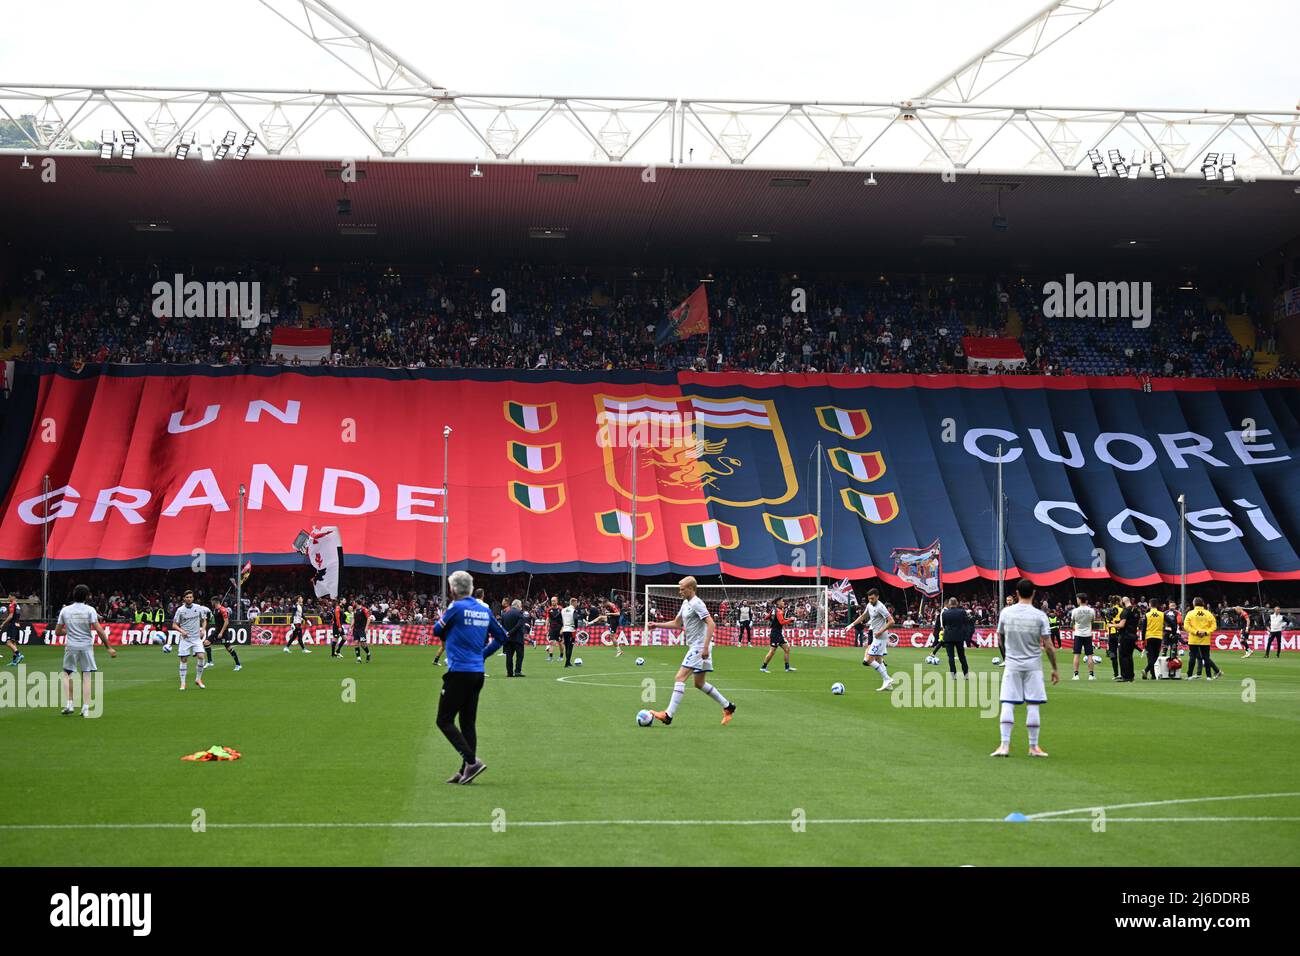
<point x="1161" y="803"/>
<point x="480" y="824"/>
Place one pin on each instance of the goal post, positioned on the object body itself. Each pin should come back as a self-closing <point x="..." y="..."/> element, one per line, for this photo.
<point x="806" y="605"/>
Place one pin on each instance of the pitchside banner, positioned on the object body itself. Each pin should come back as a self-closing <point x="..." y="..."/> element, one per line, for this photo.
<point x="145" y="465"/>
<point x="246" y="633"/>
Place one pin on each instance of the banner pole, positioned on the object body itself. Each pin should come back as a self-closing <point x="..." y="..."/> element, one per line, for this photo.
<point x="1002" y="561"/>
<point x="239" y="559"/>
<point x="446" y="513"/>
<point x="1182" y="554"/>
<point x="819" y="522"/>
<point x="632" y="443"/>
<point x="45" y="550"/>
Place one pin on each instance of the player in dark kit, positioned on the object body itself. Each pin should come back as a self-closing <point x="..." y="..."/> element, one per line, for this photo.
<point x="222" y="636"/>
<point x="360" y="618"/>
<point x="338" y="637"/>
<point x="776" y="636"/>
<point x="10" y="631"/>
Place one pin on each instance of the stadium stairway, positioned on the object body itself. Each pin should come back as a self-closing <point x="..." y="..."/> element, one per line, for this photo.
<point x="1014" y="325"/>
<point x="1242" y="329"/>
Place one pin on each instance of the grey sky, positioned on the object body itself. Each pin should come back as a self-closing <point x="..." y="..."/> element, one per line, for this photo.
<point x="1146" y="53"/>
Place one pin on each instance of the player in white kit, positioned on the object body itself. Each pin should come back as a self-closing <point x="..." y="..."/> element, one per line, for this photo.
<point x="695" y="620"/>
<point x="1024" y="633"/>
<point x="191" y="620"/>
<point x="879" y="620"/>
<point x="78" y="625"/>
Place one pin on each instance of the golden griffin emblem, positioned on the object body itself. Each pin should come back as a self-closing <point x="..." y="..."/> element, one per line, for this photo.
<point x="686" y="466"/>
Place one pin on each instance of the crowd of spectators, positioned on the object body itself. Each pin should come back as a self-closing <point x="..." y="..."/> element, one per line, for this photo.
<point x="520" y="317"/>
<point x="402" y="598"/>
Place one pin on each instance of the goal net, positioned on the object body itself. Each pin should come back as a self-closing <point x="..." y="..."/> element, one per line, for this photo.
<point x="806" y="606"/>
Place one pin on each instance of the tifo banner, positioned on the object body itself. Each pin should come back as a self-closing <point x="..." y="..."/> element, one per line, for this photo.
<point x="920" y="567"/>
<point x="145" y="465"/>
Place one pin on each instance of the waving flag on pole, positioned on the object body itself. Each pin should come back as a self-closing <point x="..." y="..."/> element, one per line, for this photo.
<point x="324" y="550"/>
<point x="842" y="593"/>
<point x="919" y="567"/>
<point x="689" y="318"/>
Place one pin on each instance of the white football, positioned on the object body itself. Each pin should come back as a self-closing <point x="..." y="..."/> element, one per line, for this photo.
<point x="997" y="661"/>
<point x="640" y="661"/>
<point x="577" y="662"/>
<point x="644" y="718"/>
<point x="837" y="688"/>
<point x="1096" y="658"/>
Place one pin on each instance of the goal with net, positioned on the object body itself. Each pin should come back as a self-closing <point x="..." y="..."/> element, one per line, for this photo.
<point x="734" y="605"/>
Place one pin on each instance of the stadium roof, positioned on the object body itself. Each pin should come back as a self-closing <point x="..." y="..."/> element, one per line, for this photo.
<point x="416" y="212"/>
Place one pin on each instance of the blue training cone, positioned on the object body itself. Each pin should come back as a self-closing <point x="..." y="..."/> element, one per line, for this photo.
<point x="1016" y="818"/>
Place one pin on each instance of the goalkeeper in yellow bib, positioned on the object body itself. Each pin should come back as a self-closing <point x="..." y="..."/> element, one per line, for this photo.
<point x="694" y="619"/>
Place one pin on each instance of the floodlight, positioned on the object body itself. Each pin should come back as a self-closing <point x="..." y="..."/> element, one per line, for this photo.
<point x="128" y="144"/>
<point x="185" y="145"/>
<point x="227" y="141"/>
<point x="106" y="140"/>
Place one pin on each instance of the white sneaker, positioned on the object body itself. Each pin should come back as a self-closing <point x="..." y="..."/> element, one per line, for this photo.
<point x="1247" y="654"/>
<point x="198" y="682"/>
<point x="1092" y="677"/>
<point x="306" y="650"/>
<point x="286" y="650"/>
<point x="182" y="685"/>
<point x="209" y="664"/>
<point x="239" y="667"/>
<point x="887" y="685"/>
<point x="1075" y="677"/>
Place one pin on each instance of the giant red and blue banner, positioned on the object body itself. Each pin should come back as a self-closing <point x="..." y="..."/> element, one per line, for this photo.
<point x="145" y="466"/>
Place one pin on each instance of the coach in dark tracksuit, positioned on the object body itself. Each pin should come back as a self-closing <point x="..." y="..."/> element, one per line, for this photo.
<point x="516" y="626"/>
<point x="954" y="629"/>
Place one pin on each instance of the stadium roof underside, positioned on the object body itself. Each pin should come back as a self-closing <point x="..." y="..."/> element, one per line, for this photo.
<point x="408" y="211"/>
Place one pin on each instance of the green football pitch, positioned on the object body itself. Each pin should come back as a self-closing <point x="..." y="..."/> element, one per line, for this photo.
<point x="342" y="764"/>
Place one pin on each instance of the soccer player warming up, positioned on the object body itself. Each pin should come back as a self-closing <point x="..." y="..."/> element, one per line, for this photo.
<point x="10" y="631"/>
<point x="360" y="620"/>
<point x="878" y="620"/>
<point x="464" y="629"/>
<point x="1081" y="618"/>
<point x="1024" y="633"/>
<point x="78" y="625"/>
<point x="191" y="621"/>
<point x="694" y="619"/>
<point x="338" y="636"/>
<point x="777" y="636"/>
<point x="221" y="615"/>
<point x="299" y="621"/>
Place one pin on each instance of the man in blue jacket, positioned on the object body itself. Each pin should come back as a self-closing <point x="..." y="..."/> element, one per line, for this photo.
<point x="464" y="629"/>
